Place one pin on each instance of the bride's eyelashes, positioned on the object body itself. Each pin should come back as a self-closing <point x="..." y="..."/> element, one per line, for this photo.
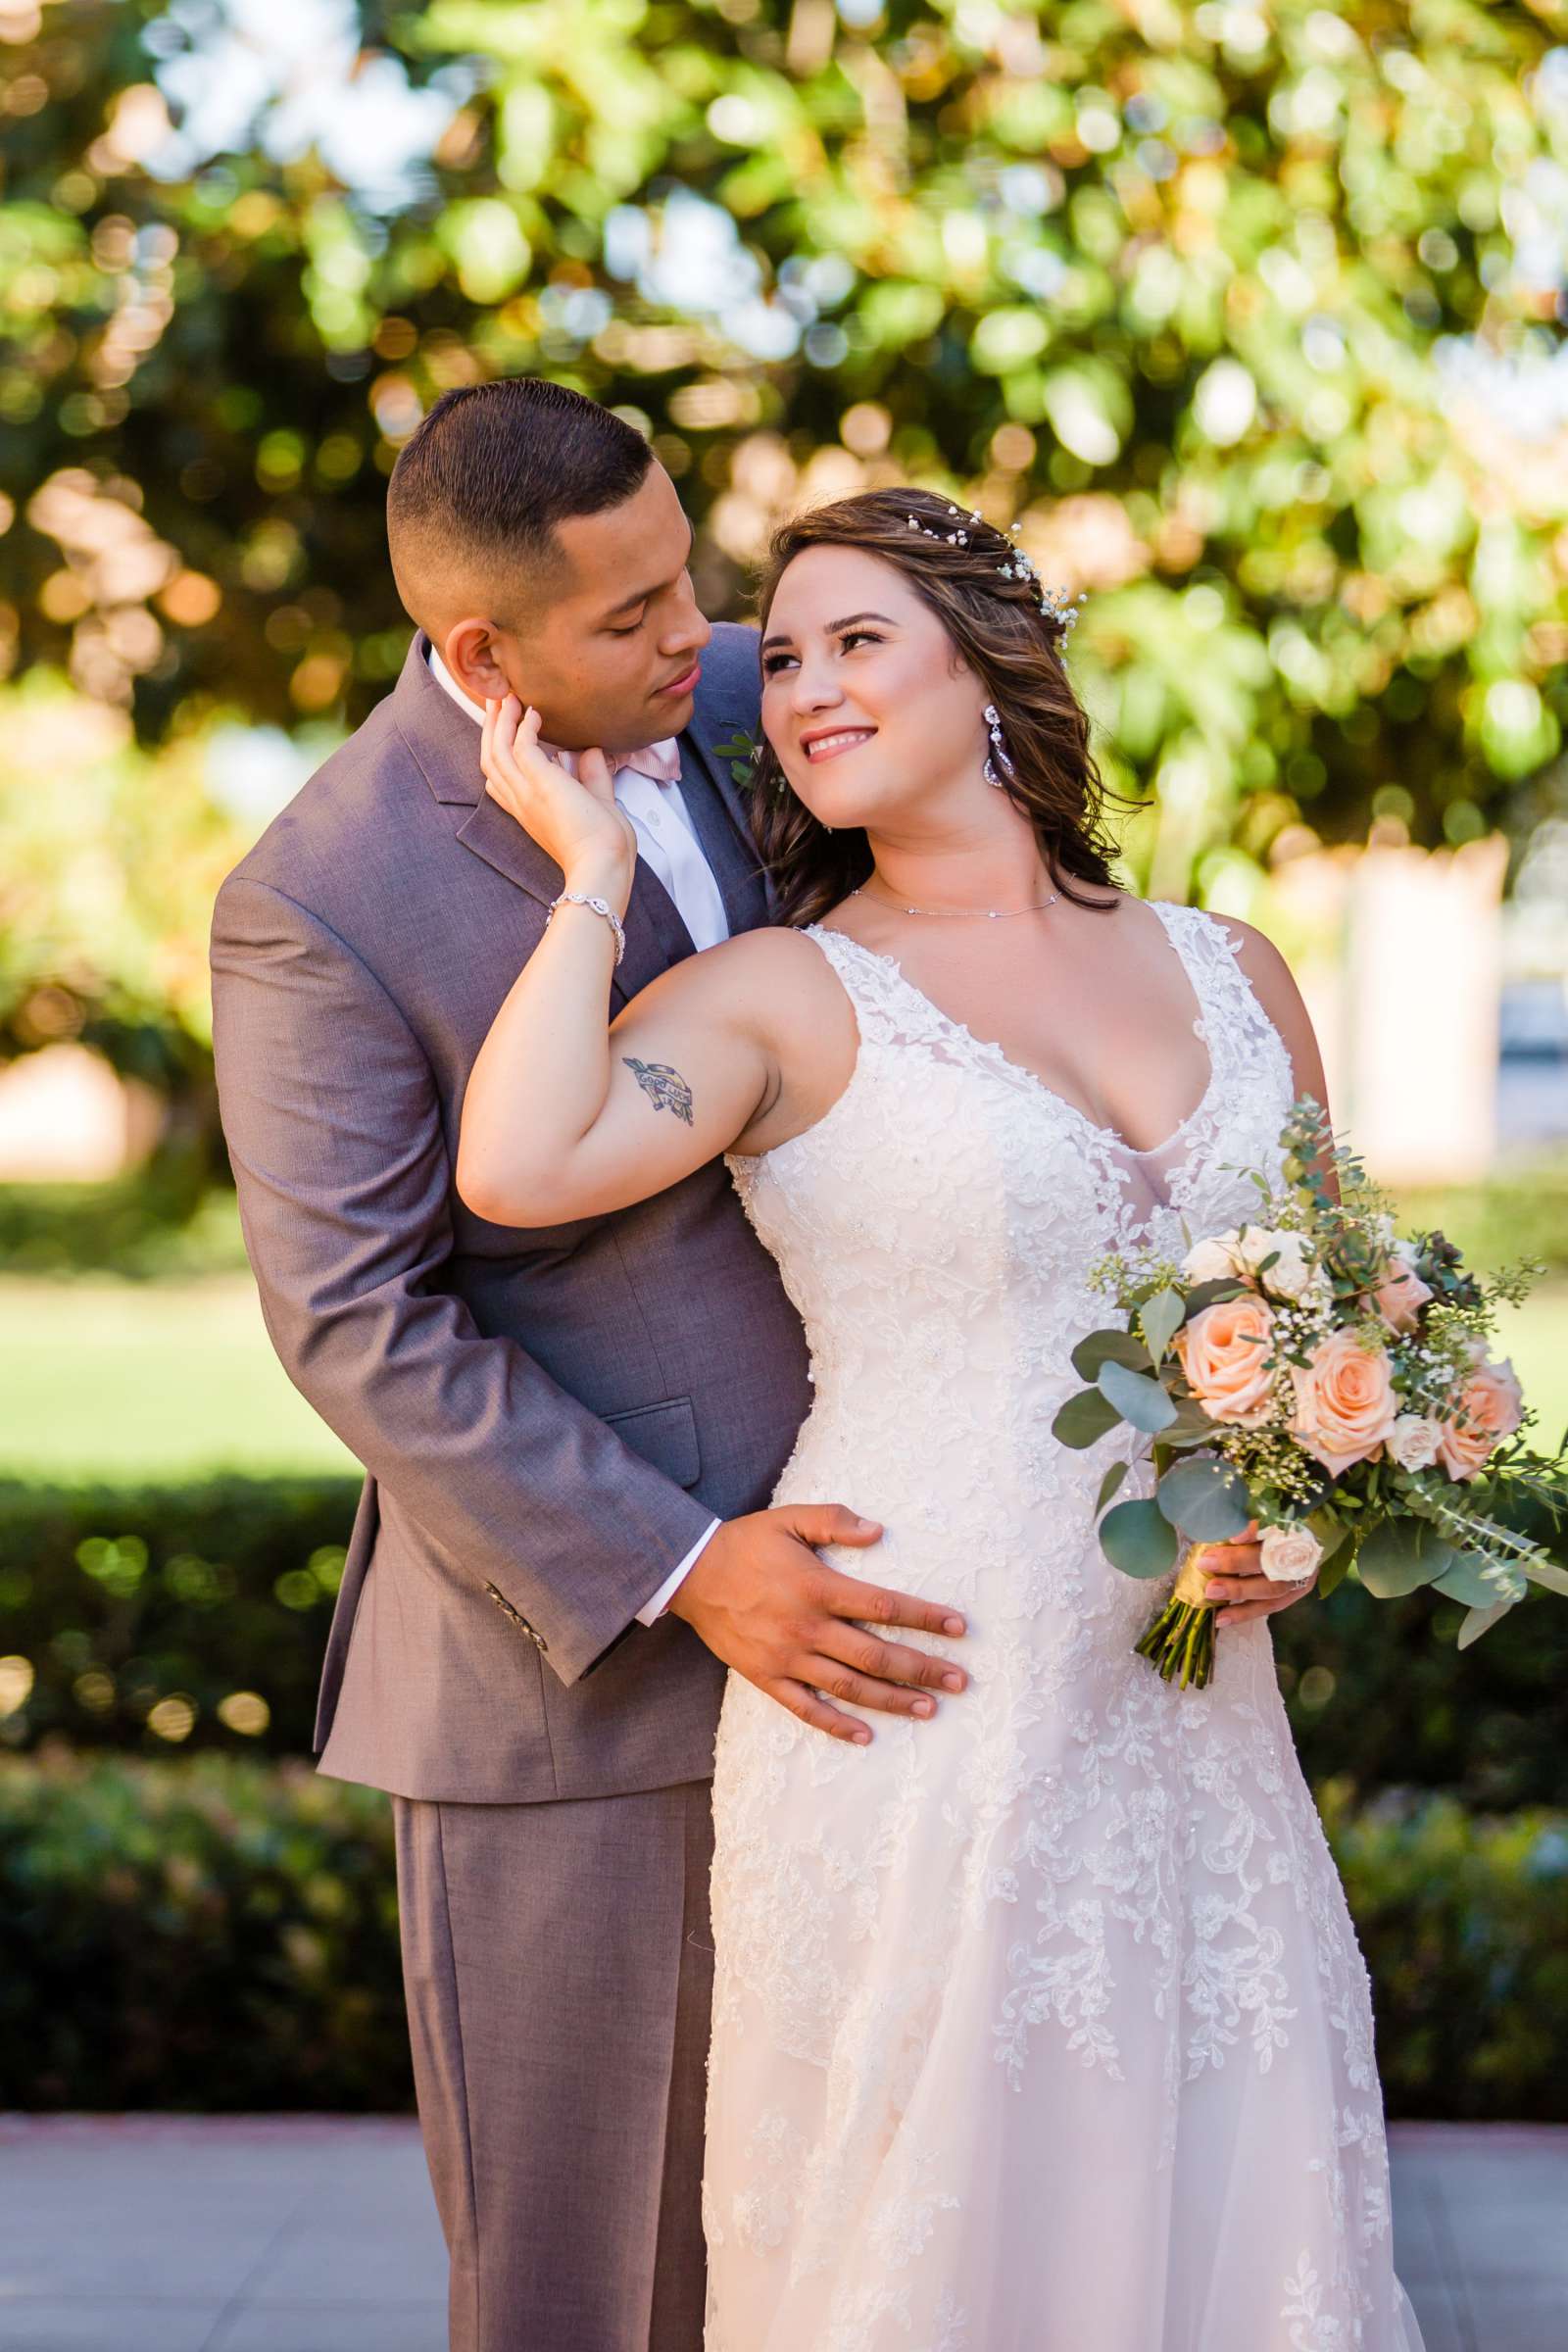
<point x="776" y="661"/>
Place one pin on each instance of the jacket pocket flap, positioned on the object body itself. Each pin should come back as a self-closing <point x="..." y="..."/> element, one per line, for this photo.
<point x="665" y="1434"/>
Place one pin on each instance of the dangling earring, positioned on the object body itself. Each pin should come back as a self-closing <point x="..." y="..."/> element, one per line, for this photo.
<point x="998" y="755"/>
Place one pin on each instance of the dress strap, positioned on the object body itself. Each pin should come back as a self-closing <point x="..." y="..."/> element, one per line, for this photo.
<point x="886" y="1010"/>
<point x="1238" y="1033"/>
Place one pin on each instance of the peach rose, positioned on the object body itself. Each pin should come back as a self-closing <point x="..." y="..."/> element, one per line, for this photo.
<point x="1345" y="1402"/>
<point x="1401" y="1294"/>
<point x="1223" y="1352"/>
<point x="1413" y="1440"/>
<point x="1488" y="1407"/>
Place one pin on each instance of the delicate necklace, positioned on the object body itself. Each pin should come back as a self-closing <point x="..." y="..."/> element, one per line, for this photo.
<point x="992" y="913"/>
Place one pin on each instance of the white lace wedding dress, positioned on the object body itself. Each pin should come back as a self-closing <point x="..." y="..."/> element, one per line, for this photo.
<point x="1041" y="2027"/>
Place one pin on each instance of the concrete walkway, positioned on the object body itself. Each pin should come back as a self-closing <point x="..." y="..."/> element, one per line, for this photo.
<point x="149" y="2234"/>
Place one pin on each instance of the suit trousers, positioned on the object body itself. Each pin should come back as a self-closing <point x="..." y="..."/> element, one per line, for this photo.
<point x="557" y="1960"/>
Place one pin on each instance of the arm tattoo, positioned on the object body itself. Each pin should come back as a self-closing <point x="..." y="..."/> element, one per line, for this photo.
<point x="664" y="1088"/>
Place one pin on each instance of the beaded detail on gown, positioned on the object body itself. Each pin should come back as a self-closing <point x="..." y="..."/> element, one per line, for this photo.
<point x="1041" y="2027"/>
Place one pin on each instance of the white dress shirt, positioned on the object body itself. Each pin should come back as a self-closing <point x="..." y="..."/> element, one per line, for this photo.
<point x="667" y="841"/>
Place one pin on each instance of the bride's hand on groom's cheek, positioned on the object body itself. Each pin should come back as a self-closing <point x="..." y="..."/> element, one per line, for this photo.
<point x="575" y="820"/>
<point x="762" y="1600"/>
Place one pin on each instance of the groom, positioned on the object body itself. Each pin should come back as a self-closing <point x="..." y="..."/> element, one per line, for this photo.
<point x="568" y="1434"/>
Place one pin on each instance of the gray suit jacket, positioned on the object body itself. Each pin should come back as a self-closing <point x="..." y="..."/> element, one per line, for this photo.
<point x="548" y="1419"/>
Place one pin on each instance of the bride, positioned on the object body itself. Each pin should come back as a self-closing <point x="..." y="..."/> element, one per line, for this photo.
<point x="1040" y="2024"/>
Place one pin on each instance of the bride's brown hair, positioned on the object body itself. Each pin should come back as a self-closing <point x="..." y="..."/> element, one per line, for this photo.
<point x="996" y="621"/>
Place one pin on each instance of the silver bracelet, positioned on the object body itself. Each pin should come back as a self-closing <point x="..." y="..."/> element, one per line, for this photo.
<point x="576" y="897"/>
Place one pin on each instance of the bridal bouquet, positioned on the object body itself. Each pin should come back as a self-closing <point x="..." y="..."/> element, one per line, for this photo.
<point x="1319" y="1378"/>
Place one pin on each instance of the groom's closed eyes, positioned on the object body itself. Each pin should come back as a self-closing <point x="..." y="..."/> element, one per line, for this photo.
<point x="646" y="596"/>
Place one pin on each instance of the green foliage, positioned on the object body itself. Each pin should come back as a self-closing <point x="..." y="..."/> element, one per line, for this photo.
<point x="235" y="1596"/>
<point x="112" y="855"/>
<point x="1464" y="1924"/>
<point x="1138" y="1538"/>
<point x="1139" y="1400"/>
<point x="1085" y="1418"/>
<point x="1206" y="1501"/>
<point x="169" y="1225"/>
<point x="1167" y="283"/>
<point x="212" y="1936"/>
<point x="193" y="1616"/>
<point x="1399" y="1556"/>
<point x="1521" y="1211"/>
<point x="219" y="1934"/>
<point x="1380" y="1695"/>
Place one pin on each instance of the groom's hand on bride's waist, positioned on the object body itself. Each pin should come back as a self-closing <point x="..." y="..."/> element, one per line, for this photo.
<point x="762" y="1600"/>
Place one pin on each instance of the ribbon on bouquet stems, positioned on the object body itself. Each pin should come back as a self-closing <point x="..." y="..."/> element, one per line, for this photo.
<point x="1180" y="1641"/>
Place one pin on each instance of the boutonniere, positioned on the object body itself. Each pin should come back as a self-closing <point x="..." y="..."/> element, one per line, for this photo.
<point x="743" y="753"/>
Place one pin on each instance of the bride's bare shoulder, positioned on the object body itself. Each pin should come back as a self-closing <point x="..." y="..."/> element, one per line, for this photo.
<point x="779" y="975"/>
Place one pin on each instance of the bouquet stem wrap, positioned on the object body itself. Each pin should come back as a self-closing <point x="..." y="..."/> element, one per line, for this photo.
<point x="1180" y="1641"/>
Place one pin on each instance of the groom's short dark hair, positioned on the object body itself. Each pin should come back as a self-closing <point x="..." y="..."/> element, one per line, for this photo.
<point x="493" y="468"/>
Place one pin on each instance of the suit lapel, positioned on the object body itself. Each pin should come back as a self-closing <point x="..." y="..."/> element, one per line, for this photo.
<point x="491" y="834"/>
<point x="717" y="810"/>
<point x="656" y="935"/>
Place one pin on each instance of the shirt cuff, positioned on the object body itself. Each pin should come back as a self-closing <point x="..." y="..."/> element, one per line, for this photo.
<point x="655" y="1609"/>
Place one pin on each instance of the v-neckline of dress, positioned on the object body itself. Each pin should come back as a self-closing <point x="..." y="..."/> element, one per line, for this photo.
<point x="988" y="1048"/>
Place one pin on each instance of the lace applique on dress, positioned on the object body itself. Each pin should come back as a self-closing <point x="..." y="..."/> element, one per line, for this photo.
<point x="1042" y="2024"/>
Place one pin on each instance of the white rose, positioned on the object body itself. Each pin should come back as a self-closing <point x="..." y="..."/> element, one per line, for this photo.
<point x="1289" y="1275"/>
<point x="1413" y="1441"/>
<point x="1211" y="1261"/>
<point x="1288" y="1553"/>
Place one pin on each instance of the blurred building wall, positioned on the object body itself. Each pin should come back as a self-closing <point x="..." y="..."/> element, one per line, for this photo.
<point x="1402" y="978"/>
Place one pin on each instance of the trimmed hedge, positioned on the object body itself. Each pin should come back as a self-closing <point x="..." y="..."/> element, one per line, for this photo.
<point x="214" y="1935"/>
<point x="209" y="1934"/>
<point x="141" y="1614"/>
<point x="1521" y="1210"/>
<point x="1463" y="1919"/>
<point x="157" y="1606"/>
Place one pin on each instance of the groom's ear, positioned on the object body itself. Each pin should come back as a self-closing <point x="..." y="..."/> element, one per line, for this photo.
<point x="473" y="655"/>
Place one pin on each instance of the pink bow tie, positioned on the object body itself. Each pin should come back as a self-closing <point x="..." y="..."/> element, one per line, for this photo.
<point x="659" y="761"/>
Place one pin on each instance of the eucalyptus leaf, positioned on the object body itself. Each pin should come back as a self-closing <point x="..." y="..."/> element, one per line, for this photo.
<point x="1336" y="1567"/>
<point x="1160" y="1319"/>
<point x="1207" y="1500"/>
<point x="1137" y="1399"/>
<point x="1465" y="1581"/>
<point x="1547" y="1573"/>
<point x="1110" y="1347"/>
<point x="1210" y="1293"/>
<point x="1479" y="1621"/>
<point x="1401" y="1556"/>
<point x="1108" y="1485"/>
<point x="1190" y="1427"/>
<point x="1084" y="1419"/>
<point x="1137" y="1539"/>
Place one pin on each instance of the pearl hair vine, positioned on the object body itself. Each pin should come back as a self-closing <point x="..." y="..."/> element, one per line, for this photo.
<point x="1059" y="604"/>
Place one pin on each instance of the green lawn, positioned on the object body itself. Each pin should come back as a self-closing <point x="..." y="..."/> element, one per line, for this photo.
<point x="124" y="1380"/>
<point x="147" y="1380"/>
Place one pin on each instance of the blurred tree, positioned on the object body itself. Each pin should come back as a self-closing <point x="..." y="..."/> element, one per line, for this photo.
<point x="1249" y="310"/>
